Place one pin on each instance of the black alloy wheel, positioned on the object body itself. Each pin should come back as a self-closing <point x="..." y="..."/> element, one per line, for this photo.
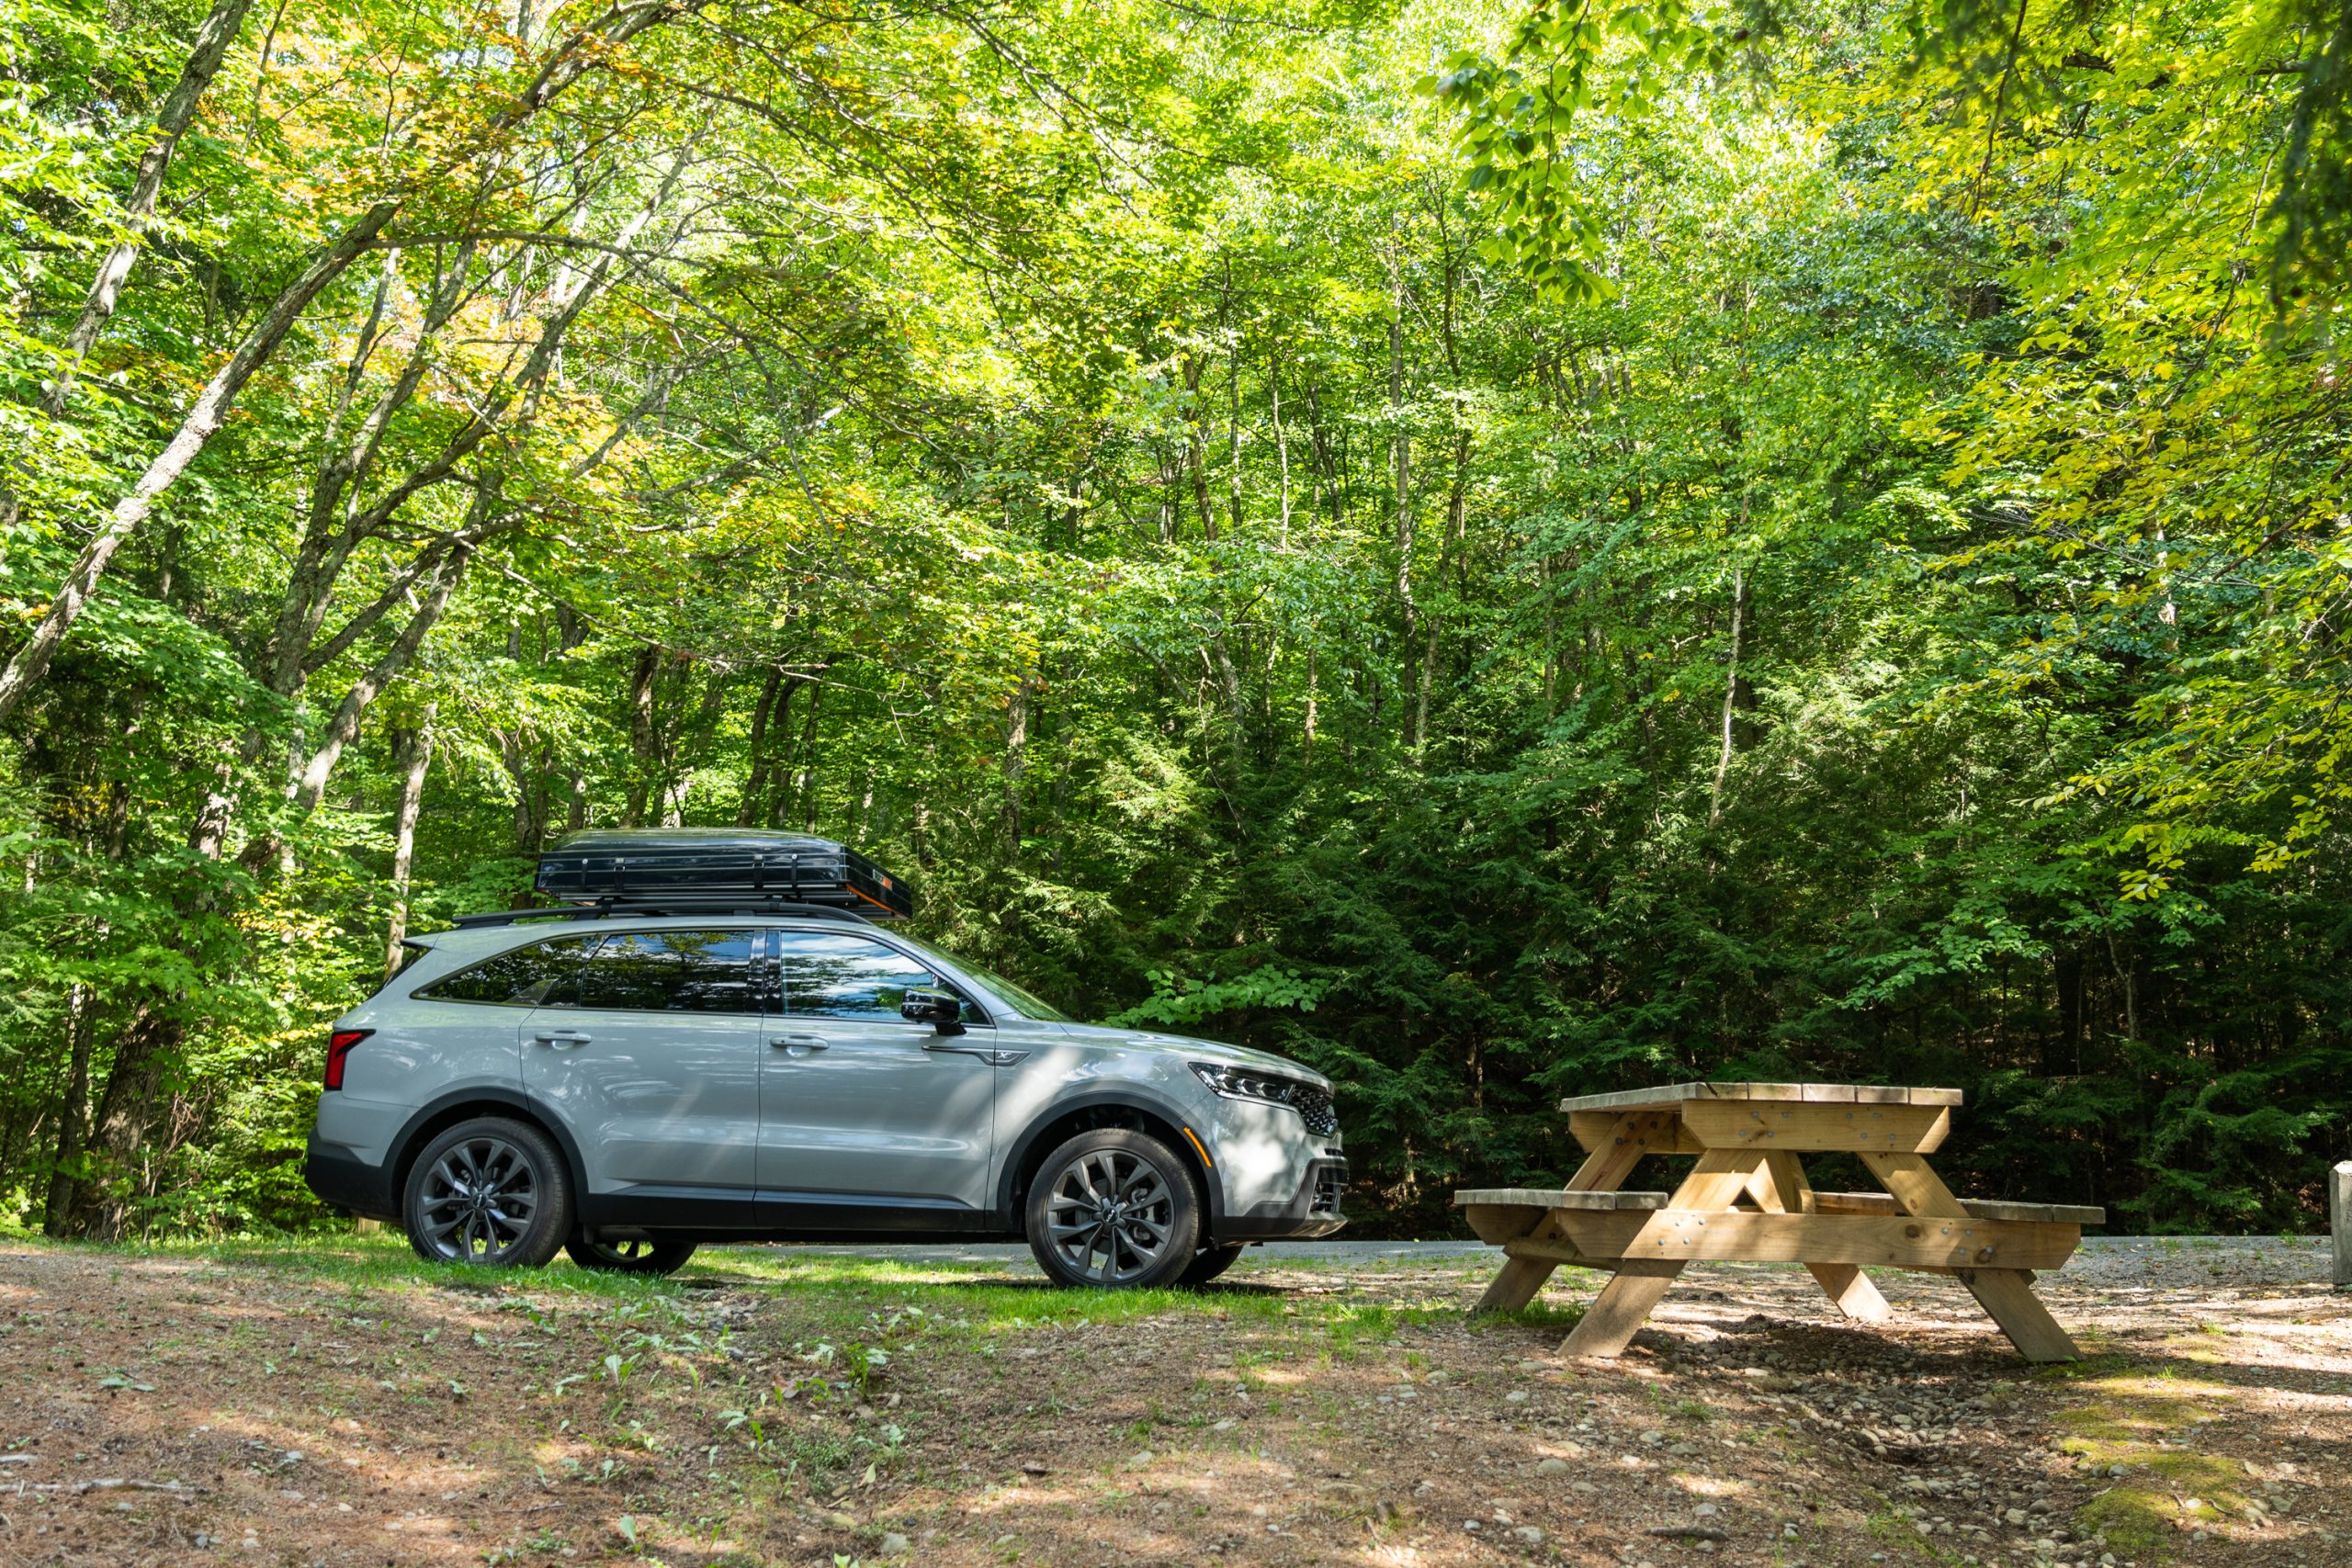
<point x="1208" y="1263"/>
<point x="489" y="1193"/>
<point x="1115" y="1209"/>
<point x="631" y="1256"/>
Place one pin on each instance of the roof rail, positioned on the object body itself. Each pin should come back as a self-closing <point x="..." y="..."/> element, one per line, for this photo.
<point x="613" y="908"/>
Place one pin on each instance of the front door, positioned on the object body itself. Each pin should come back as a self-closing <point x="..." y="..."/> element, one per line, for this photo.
<point x="651" y="1057"/>
<point x="868" y="1120"/>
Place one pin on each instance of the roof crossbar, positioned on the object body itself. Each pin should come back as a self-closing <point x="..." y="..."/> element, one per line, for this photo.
<point x="610" y="909"/>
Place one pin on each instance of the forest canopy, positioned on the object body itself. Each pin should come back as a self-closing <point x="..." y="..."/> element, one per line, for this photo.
<point x="1501" y="551"/>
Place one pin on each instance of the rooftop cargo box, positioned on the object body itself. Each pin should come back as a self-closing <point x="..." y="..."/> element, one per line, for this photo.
<point x="708" y="868"/>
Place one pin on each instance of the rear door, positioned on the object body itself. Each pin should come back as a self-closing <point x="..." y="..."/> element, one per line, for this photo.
<point x="651" y="1057"/>
<point x="868" y="1120"/>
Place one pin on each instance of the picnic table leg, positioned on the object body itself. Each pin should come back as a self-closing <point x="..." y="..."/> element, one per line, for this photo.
<point x="2006" y="1295"/>
<point x="1780" y="1187"/>
<point x="1604" y="1170"/>
<point x="1515" y="1284"/>
<point x="1608" y="1325"/>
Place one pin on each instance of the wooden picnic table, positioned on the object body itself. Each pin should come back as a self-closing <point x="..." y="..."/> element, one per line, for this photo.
<point x="1747" y="1198"/>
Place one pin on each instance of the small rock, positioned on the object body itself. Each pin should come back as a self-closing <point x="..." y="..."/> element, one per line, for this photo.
<point x="1531" y="1534"/>
<point x="840" y="1521"/>
<point x="895" y="1545"/>
<point x="1473" y="1526"/>
<point x="1516" y="1396"/>
<point x="1033" y="1468"/>
<point x="1141" y="1460"/>
<point x="1553" y="1466"/>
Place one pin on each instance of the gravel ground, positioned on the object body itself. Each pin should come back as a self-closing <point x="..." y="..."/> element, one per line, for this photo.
<point x="1328" y="1404"/>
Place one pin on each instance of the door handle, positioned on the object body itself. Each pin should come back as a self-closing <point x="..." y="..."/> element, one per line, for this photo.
<point x="798" y="1043"/>
<point x="563" y="1039"/>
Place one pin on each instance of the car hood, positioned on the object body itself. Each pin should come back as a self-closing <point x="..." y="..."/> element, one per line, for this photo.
<point x="1197" y="1050"/>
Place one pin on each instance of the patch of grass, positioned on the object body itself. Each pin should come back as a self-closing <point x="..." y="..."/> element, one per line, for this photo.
<point x="2127" y="1424"/>
<point x="1352" y="1329"/>
<point x="1890" y="1528"/>
<point x="1535" y="1314"/>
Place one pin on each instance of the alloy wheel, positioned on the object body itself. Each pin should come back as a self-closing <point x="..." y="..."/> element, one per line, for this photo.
<point x="479" y="1201"/>
<point x="1109" y="1215"/>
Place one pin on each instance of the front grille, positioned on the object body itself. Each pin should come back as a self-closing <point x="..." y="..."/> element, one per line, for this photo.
<point x="1315" y="1108"/>
<point x="1330" y="1181"/>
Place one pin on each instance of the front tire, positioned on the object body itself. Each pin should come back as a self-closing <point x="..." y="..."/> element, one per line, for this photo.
<point x="1208" y="1263"/>
<point x="489" y="1193"/>
<point x="1114" y="1209"/>
<point x="631" y="1256"/>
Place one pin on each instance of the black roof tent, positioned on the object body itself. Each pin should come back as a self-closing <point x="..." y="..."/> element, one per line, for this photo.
<point x="708" y="869"/>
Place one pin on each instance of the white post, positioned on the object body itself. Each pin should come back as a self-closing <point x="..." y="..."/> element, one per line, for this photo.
<point x="2339" y="1219"/>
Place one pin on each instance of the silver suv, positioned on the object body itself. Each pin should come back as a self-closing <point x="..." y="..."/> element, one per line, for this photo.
<point x="625" y="1086"/>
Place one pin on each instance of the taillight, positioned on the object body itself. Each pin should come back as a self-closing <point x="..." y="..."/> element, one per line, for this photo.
<point x="339" y="1046"/>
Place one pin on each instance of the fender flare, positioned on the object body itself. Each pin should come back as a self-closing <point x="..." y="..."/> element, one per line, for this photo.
<point x="1105" y="1098"/>
<point x="405" y="1142"/>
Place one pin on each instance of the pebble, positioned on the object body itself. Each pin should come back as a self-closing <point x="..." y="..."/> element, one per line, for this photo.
<point x="1516" y="1396"/>
<point x="840" y="1522"/>
<point x="1530" y="1534"/>
<point x="1553" y="1466"/>
<point x="895" y="1545"/>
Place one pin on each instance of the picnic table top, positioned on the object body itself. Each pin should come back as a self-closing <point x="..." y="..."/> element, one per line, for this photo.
<point x="1809" y="1093"/>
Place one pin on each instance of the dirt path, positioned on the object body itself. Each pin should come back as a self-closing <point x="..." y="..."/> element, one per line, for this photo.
<point x="342" y="1405"/>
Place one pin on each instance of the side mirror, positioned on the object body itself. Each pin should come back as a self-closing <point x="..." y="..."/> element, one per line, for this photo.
<point x="941" y="1009"/>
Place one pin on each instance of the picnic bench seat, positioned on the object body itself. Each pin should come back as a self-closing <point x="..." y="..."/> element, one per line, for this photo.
<point x="1747" y="1199"/>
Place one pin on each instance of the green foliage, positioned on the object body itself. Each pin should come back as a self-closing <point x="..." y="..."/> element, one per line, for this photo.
<point x="1834" y="574"/>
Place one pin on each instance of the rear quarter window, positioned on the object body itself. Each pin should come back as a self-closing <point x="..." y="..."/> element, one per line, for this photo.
<point x="544" y="973"/>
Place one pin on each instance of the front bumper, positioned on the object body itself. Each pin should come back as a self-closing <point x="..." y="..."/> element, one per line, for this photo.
<point x="342" y="1181"/>
<point x="1312" y="1212"/>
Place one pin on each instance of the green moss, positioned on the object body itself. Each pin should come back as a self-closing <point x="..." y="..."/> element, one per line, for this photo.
<point x="2128" y="1425"/>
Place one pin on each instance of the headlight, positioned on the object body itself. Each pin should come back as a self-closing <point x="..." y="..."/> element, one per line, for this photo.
<point x="1312" y="1102"/>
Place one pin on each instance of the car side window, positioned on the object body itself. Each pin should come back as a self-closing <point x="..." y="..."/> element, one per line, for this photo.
<point x="536" y="975"/>
<point x="671" y="972"/>
<point x="850" y="977"/>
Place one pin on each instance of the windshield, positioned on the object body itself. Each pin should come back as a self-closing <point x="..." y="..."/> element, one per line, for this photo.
<point x="1029" y="1003"/>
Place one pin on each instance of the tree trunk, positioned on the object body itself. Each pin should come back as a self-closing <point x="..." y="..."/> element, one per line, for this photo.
<point x="412" y="754"/>
<point x="1282" y="440"/>
<point x="564" y="66"/>
<point x="212" y="41"/>
<point x="807" y="785"/>
<point x="640" y="733"/>
<point x="121" y="1124"/>
<point x="72" y="1116"/>
<point x="755" y="779"/>
<point x="1731" y="690"/>
<point x="31" y="661"/>
<point x="1016" y="763"/>
<point x="1194" y="465"/>
<point x="1400" y="446"/>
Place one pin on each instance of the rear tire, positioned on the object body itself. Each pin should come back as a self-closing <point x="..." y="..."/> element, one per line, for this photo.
<point x="631" y="1256"/>
<point x="1208" y="1263"/>
<point x="489" y="1193"/>
<point x="1113" y="1210"/>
